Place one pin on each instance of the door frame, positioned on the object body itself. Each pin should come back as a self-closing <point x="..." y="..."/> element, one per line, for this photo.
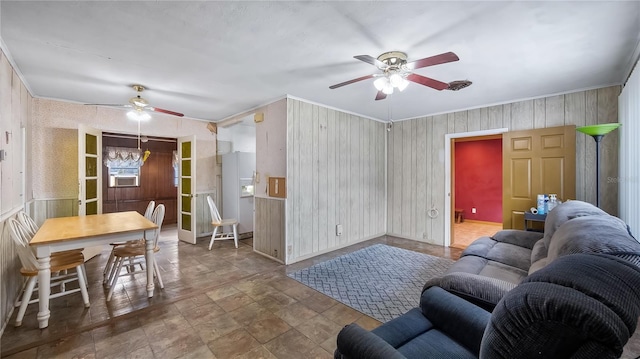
<point x="188" y="236"/>
<point x="83" y="131"/>
<point x="448" y="142"/>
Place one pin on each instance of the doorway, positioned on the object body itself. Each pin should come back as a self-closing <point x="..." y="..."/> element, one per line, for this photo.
<point x="236" y="169"/>
<point x="476" y="188"/>
<point x="153" y="180"/>
<point x="449" y="205"/>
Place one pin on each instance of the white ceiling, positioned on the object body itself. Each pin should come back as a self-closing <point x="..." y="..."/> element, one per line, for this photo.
<point x="212" y="60"/>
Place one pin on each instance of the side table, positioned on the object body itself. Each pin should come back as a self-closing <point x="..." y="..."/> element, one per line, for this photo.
<point x="530" y="218"/>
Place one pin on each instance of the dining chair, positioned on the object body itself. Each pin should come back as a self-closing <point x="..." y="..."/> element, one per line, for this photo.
<point x="219" y="223"/>
<point x="134" y="254"/>
<point x="31" y="228"/>
<point x="58" y="264"/>
<point x="109" y="266"/>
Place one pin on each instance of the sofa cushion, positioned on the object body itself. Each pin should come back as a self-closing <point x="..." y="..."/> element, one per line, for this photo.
<point x="488" y="268"/>
<point x="525" y="239"/>
<point x="537" y="265"/>
<point x="505" y="253"/>
<point x="579" y="306"/>
<point x="595" y="234"/>
<point x="564" y="212"/>
<point x="538" y="252"/>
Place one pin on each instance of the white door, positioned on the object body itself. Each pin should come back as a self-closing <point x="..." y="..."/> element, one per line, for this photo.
<point x="89" y="178"/>
<point x="89" y="170"/>
<point x="187" y="189"/>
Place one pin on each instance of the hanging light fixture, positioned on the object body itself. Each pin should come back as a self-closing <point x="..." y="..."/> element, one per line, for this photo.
<point x="390" y="81"/>
<point x="137" y="114"/>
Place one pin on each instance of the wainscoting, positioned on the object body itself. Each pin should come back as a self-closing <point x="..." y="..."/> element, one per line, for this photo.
<point x="269" y="232"/>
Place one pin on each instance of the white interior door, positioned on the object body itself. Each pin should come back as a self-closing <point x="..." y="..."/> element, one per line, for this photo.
<point x="187" y="189"/>
<point x="89" y="171"/>
<point x="89" y="177"/>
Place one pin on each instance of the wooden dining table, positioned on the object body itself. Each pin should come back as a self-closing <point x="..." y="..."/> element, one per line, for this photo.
<point x="66" y="233"/>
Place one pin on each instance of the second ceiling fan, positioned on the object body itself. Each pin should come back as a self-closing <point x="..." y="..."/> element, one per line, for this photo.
<point x="397" y="72"/>
<point x="139" y="104"/>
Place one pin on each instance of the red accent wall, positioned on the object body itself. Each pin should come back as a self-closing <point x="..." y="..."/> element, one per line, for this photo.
<point x="478" y="179"/>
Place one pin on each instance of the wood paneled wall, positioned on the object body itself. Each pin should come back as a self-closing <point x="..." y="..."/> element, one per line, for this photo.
<point x="156" y="180"/>
<point x="269" y="232"/>
<point x="335" y="175"/>
<point x="416" y="154"/>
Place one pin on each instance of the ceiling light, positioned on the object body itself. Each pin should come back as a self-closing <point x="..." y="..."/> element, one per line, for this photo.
<point x="403" y="84"/>
<point x="388" y="88"/>
<point x="380" y="83"/>
<point x="138" y="115"/>
<point x="395" y="80"/>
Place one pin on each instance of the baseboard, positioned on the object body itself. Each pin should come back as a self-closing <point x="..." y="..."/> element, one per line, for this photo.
<point x="315" y="254"/>
<point x="268" y="256"/>
<point x="421" y="240"/>
<point x="481" y="222"/>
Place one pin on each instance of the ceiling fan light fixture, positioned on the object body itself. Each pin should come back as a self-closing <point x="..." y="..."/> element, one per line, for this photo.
<point x="403" y="84"/>
<point x="388" y="88"/>
<point x="138" y="115"/>
<point x="380" y="83"/>
<point x="138" y="101"/>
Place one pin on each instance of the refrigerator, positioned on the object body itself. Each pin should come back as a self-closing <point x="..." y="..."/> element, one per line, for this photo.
<point x="238" y="170"/>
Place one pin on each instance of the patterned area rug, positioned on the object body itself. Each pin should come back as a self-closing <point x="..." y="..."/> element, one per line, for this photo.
<point x="381" y="281"/>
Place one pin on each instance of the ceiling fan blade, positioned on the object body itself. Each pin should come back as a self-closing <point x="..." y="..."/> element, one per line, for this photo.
<point x="433" y="60"/>
<point x="161" y="110"/>
<point x="351" y="81"/>
<point x="381" y="96"/>
<point x="371" y="60"/>
<point x="423" y="80"/>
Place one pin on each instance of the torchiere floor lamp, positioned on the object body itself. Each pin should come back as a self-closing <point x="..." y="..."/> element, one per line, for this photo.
<point x="598" y="132"/>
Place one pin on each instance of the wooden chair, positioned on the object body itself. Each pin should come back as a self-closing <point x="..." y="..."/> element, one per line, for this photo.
<point x="134" y="254"/>
<point x="31" y="227"/>
<point x="59" y="264"/>
<point x="148" y="213"/>
<point x="218" y="222"/>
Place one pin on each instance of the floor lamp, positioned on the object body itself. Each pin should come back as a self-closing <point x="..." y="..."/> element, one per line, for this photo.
<point x="598" y="132"/>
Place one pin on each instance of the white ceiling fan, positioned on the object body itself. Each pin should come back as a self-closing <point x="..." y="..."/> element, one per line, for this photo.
<point x="139" y="105"/>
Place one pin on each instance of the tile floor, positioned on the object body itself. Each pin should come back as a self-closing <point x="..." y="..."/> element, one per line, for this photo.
<point x="224" y="303"/>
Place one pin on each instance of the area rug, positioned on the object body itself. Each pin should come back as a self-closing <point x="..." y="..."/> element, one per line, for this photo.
<point x="380" y="281"/>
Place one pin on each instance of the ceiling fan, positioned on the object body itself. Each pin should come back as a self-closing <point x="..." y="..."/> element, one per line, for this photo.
<point x="140" y="105"/>
<point x="397" y="72"/>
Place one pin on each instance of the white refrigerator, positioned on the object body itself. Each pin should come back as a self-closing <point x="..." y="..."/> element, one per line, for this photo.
<point x="238" y="188"/>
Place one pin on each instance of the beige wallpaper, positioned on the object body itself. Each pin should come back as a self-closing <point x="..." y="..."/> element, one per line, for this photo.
<point x="55" y="142"/>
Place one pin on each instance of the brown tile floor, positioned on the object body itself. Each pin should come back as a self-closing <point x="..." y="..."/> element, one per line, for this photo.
<point x="224" y="303"/>
<point x="468" y="231"/>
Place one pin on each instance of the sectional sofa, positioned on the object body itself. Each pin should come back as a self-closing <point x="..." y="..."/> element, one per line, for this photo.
<point x="572" y="291"/>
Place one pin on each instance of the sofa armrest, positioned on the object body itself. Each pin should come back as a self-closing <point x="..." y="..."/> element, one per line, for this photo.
<point x="354" y="343"/>
<point x="482" y="291"/>
<point x="459" y="319"/>
<point x="526" y="239"/>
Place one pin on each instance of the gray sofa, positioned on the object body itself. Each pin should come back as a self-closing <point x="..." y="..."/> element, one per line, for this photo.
<point x="583" y="305"/>
<point x="492" y="266"/>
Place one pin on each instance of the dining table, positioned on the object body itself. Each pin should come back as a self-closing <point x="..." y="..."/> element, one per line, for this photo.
<point x="67" y="233"/>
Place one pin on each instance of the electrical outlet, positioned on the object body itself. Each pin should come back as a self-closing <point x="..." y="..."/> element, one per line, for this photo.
<point x="338" y="229"/>
<point x="424" y="235"/>
<point x="473" y="210"/>
<point x="289" y="249"/>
